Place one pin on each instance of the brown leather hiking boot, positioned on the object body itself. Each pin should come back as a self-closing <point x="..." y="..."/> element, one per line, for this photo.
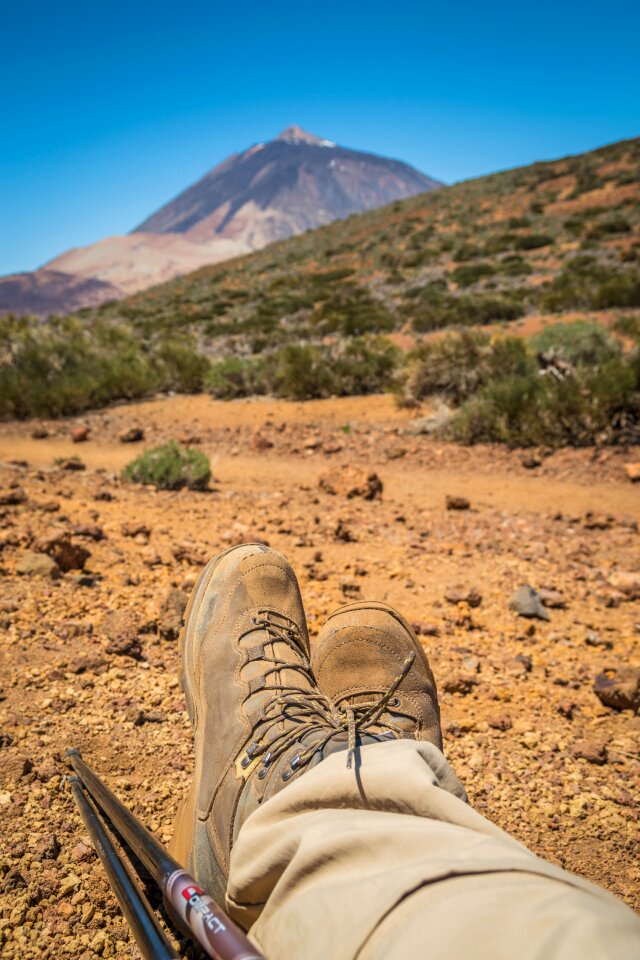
<point x="367" y="660"/>
<point x="257" y="715"/>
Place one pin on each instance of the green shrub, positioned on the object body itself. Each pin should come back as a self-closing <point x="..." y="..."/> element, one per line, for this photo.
<point x="628" y="326"/>
<point x="580" y="343"/>
<point x="515" y="266"/>
<point x="594" y="406"/>
<point x="436" y="309"/>
<point x="352" y="311"/>
<point x="170" y="467"/>
<point x="364" y="365"/>
<point x="457" y="365"/>
<point x="470" y="273"/>
<point x="532" y="241"/>
<point x="302" y="372"/>
<point x="237" y="377"/>
<point x="584" y="282"/>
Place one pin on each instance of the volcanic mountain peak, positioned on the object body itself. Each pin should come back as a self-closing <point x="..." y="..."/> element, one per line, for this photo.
<point x="295" y="134"/>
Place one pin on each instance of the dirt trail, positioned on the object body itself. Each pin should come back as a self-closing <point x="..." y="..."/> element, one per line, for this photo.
<point x="539" y="753"/>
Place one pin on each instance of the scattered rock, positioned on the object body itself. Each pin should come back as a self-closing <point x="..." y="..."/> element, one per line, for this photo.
<point x="619" y="688"/>
<point x="348" y="481"/>
<point x="457" y="503"/>
<point x="567" y="708"/>
<point x="260" y="442"/>
<point x="460" y="684"/>
<point x="172" y="614"/>
<point x="552" y="599"/>
<point x="531" y="462"/>
<point x="132" y="435"/>
<point x="61" y="548"/>
<point x="593" y="751"/>
<point x="12" y="497"/>
<point x="90" y="530"/>
<point x="632" y="471"/>
<point x="39" y="433"/>
<point x="594" y="639"/>
<point x="122" y="630"/>
<point x="460" y="594"/>
<point x="424" y="629"/>
<point x="527" y="603"/>
<point x="520" y="665"/>
<point x="598" y="521"/>
<point x="33" y="564"/>
<point x="500" y="723"/>
<point x="626" y="583"/>
<point x="350" y="588"/>
<point x="342" y="532"/>
<point x="79" y="434"/>
<point x="71" y="463"/>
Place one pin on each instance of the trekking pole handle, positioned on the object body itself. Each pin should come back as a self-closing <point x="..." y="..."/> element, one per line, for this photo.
<point x="205" y="920"/>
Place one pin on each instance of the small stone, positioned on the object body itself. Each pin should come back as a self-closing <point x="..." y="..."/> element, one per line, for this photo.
<point x="172" y="614"/>
<point x="626" y="583"/>
<point x="460" y="684"/>
<point x="462" y="594"/>
<point x="527" y="603"/>
<point x="567" y="708"/>
<point x="122" y="632"/>
<point x="132" y="435"/>
<point x="37" y="565"/>
<point x="593" y="751"/>
<point x="69" y="885"/>
<point x="619" y="688"/>
<point x="457" y="503"/>
<point x="500" y="723"/>
<point x="342" y="532"/>
<point x="39" y="433"/>
<point x="352" y="482"/>
<point x="12" y="497"/>
<point x="520" y="665"/>
<point x="259" y="442"/>
<point x="430" y="424"/>
<point x="424" y="629"/>
<point x="71" y="463"/>
<point x="531" y="462"/>
<point x="594" y="639"/>
<point x="632" y="471"/>
<point x="61" y="548"/>
<point x="552" y="599"/>
<point x="79" y="434"/>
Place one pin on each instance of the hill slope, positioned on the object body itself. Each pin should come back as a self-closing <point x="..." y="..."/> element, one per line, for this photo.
<point x="547" y="238"/>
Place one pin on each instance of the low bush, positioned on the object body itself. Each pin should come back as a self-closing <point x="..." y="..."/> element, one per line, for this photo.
<point x="237" y="377"/>
<point x="470" y="273"/>
<point x="581" y="343"/>
<point x="457" y="365"/>
<point x="600" y="405"/>
<point x="585" y="282"/>
<point x="435" y="308"/>
<point x="532" y="241"/>
<point x="170" y="467"/>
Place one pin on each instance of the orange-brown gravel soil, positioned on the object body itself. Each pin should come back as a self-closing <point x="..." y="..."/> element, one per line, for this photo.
<point x="89" y="657"/>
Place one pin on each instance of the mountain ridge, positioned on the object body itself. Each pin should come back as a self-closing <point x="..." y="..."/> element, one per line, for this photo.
<point x="268" y="192"/>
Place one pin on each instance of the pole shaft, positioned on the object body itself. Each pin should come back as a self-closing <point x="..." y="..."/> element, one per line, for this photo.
<point x="151" y="939"/>
<point x="216" y="933"/>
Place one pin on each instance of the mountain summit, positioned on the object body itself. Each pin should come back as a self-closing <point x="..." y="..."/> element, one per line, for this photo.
<point x="276" y="189"/>
<point x="271" y="191"/>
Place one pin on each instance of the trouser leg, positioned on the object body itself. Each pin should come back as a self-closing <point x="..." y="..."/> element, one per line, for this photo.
<point x="390" y="862"/>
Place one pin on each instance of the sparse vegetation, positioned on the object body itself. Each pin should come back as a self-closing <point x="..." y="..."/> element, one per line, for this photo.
<point x="170" y="467"/>
<point x="307" y="317"/>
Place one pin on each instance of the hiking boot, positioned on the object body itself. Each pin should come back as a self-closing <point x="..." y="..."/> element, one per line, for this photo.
<point x="258" y="718"/>
<point x="367" y="660"/>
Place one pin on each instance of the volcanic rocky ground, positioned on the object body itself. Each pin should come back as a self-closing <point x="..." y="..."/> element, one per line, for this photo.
<point x="89" y="643"/>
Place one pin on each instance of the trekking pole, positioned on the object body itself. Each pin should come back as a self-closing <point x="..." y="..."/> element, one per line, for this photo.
<point x="199" y="913"/>
<point x="149" y="935"/>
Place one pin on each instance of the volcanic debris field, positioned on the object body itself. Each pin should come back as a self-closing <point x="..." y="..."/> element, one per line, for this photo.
<point x="96" y="573"/>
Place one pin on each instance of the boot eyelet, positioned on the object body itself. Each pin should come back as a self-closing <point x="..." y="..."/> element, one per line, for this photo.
<point x="287" y="774"/>
<point x="244" y="763"/>
<point x="262" y="773"/>
<point x="294" y="763"/>
<point x="395" y="702"/>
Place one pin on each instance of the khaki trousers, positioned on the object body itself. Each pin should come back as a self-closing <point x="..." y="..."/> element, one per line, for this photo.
<point x="389" y="861"/>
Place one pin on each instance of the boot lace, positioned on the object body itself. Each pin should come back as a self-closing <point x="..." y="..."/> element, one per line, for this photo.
<point x="308" y="712"/>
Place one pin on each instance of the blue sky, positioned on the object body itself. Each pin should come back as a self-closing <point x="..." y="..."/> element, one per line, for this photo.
<point x="110" y="109"/>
